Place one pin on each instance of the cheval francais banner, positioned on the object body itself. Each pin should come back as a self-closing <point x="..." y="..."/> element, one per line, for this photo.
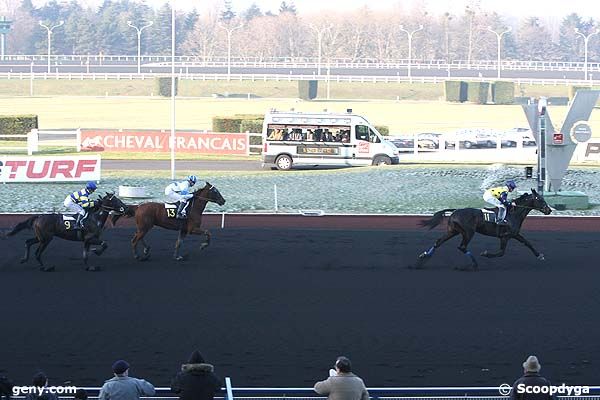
<point x="155" y="141"/>
<point x="49" y="169"/>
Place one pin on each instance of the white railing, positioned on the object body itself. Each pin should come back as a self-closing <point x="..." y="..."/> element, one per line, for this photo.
<point x="182" y="74"/>
<point x="11" y="147"/>
<point x="37" y="138"/>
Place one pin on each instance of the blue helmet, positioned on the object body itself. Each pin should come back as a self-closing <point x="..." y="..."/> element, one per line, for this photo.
<point x="91" y="186"/>
<point x="192" y="179"/>
<point x="511" y="184"/>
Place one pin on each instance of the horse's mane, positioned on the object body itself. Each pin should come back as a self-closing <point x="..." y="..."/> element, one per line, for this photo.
<point x="523" y="197"/>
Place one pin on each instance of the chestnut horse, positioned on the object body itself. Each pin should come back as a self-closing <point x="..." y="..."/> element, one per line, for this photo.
<point x="147" y="215"/>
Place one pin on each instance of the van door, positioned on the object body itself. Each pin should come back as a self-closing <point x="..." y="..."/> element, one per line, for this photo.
<point x="363" y="140"/>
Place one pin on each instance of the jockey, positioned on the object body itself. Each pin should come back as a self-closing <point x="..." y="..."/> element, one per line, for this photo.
<point x="78" y="202"/>
<point x="498" y="197"/>
<point x="179" y="191"/>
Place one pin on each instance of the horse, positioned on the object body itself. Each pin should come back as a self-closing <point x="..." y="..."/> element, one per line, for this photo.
<point x="147" y="215"/>
<point x="47" y="226"/>
<point x="468" y="221"/>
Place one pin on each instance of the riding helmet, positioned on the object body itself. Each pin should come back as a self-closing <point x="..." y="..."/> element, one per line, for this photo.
<point x="192" y="179"/>
<point x="511" y="184"/>
<point x="91" y="186"/>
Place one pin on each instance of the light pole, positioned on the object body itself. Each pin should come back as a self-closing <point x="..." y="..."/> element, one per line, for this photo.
<point x="229" y="32"/>
<point x="50" y="29"/>
<point x="410" y="35"/>
<point x="586" y="38"/>
<point x="173" y="139"/>
<point x="499" y="37"/>
<point x="319" y="33"/>
<point x="139" y="41"/>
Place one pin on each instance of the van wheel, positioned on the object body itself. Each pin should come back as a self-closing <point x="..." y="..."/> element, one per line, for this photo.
<point x="468" y="145"/>
<point x="382" y="160"/>
<point x="283" y="162"/>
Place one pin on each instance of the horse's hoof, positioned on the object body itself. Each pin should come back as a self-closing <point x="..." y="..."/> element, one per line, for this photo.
<point x="178" y="258"/>
<point x="147" y="251"/>
<point x="541" y="257"/>
<point x="92" y="269"/>
<point x="23" y="260"/>
<point x="424" y="255"/>
<point x="484" y="253"/>
<point x="47" y="269"/>
<point x="203" y="245"/>
<point x="144" y="257"/>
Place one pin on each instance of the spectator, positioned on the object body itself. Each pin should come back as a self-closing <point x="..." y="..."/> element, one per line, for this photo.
<point x="6" y="386"/>
<point x="197" y="380"/>
<point x="40" y="380"/>
<point x="81" y="394"/>
<point x="343" y="385"/>
<point x="124" y="387"/>
<point x="531" y="377"/>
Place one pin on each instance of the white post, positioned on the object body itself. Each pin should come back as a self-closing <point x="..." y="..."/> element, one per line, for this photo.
<point x="275" y="194"/>
<point x="585" y="51"/>
<point x="31" y="80"/>
<point x="78" y="139"/>
<point x="416" y="143"/>
<point x="328" y="79"/>
<point x="32" y="142"/>
<point x="410" y="35"/>
<point x="229" y="388"/>
<point x="222" y="220"/>
<point x="173" y="139"/>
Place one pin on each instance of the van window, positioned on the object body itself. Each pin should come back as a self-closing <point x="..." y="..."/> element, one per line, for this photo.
<point x="365" y="133"/>
<point x="308" y="133"/>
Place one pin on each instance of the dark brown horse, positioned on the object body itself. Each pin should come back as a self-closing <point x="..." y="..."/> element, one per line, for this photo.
<point x="468" y="221"/>
<point x="147" y="215"/>
<point x="47" y="226"/>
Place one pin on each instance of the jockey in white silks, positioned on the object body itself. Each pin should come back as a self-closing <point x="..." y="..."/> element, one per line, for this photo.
<point x="179" y="191"/>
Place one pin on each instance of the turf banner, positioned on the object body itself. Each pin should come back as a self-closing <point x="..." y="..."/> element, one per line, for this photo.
<point x="156" y="141"/>
<point x="49" y="169"/>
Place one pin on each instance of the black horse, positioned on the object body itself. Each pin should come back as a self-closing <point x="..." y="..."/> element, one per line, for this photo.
<point x="46" y="226"/>
<point x="467" y="221"/>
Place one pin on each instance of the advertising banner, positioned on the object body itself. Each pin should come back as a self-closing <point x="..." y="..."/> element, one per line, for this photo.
<point x="49" y="169"/>
<point x="156" y="141"/>
<point x="589" y="151"/>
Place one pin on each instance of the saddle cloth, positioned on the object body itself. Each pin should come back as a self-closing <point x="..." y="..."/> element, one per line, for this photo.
<point x="68" y="218"/>
<point x="171" y="205"/>
<point x="488" y="215"/>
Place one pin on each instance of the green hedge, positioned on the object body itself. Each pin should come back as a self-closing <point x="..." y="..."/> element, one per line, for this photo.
<point x="227" y="124"/>
<point x="163" y="86"/>
<point x="17" y="125"/>
<point x="503" y="92"/>
<point x="252" y="125"/>
<point x="307" y="90"/>
<point x="383" y="129"/>
<point x="574" y="89"/>
<point x="455" y="91"/>
<point x="478" y="92"/>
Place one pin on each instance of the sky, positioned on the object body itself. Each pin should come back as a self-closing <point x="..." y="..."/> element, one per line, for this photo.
<point x="548" y="8"/>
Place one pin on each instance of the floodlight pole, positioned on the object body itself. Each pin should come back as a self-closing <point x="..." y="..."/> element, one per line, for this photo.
<point x="50" y="29"/>
<point x="499" y="38"/>
<point x="410" y="35"/>
<point x="139" y="42"/>
<point x="586" y="39"/>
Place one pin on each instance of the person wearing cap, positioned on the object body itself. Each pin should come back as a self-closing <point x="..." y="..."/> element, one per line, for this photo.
<point x="343" y="385"/>
<point x="531" y="377"/>
<point x="498" y="197"/>
<point x="180" y="192"/>
<point x="196" y="380"/>
<point x="40" y="380"/>
<point x="124" y="387"/>
<point x="79" y="202"/>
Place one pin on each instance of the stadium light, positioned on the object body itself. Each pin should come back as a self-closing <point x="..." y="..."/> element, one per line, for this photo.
<point x="410" y="35"/>
<point x="173" y="140"/>
<point x="50" y="29"/>
<point x="586" y="39"/>
<point x="139" y="41"/>
<point x="499" y="38"/>
<point x="319" y="33"/>
<point x="229" y="32"/>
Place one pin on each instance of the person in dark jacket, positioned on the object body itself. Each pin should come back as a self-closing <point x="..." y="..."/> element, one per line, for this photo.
<point x="6" y="386"/>
<point x="531" y="377"/>
<point x="197" y="380"/>
<point x="40" y="381"/>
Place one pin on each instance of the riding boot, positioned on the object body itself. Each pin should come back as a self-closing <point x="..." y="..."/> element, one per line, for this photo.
<point x="78" y="221"/>
<point x="181" y="214"/>
<point x="81" y="220"/>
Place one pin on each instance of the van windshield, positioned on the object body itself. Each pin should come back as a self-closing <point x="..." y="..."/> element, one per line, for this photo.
<point x="365" y="133"/>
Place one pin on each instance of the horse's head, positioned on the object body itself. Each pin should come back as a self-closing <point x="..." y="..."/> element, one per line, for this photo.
<point x="112" y="203"/>
<point x="210" y="193"/>
<point x="535" y="201"/>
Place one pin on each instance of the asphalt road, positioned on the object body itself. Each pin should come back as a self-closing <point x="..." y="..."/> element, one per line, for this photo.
<point x="416" y="71"/>
<point x="274" y="307"/>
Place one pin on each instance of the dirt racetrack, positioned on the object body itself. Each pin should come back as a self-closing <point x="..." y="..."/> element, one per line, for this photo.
<point x="274" y="307"/>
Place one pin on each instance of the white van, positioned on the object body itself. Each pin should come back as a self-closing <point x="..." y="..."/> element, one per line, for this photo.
<point x="295" y="138"/>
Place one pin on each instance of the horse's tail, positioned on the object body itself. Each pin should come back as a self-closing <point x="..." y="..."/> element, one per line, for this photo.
<point x="27" y="224"/>
<point x="437" y="218"/>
